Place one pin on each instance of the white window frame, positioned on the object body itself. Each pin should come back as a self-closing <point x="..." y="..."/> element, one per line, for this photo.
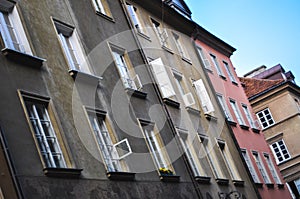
<point x="250" y="166"/>
<point x="202" y="55"/>
<point x="264" y="116"/>
<point x="224" y="107"/>
<point x="44" y="132"/>
<point x="216" y="64"/>
<point x="101" y="6"/>
<point x="161" y="33"/>
<point x="127" y="75"/>
<point x="162" y="78"/>
<point x="203" y="96"/>
<point x="134" y="16"/>
<point x="108" y="150"/>
<point x="12" y="30"/>
<point x="229" y="72"/>
<point x="280" y="152"/>
<point x="272" y="169"/>
<point x="237" y="112"/>
<point x="72" y="47"/>
<point x="261" y="167"/>
<point x="249" y="116"/>
<point x="181" y="49"/>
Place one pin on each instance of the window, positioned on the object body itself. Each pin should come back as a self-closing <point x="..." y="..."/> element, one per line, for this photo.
<point x="203" y="57"/>
<point x="272" y="169"/>
<point x="280" y="151"/>
<point x="261" y="168"/>
<point x="113" y="153"/>
<point x="224" y="107"/>
<point x="72" y="48"/>
<point x="162" y="78"/>
<point x="250" y="166"/>
<point x="182" y="51"/>
<point x="297" y="184"/>
<point x="190" y="153"/>
<point x="156" y="146"/>
<point x="212" y="157"/>
<point x="101" y="6"/>
<point x="187" y="97"/>
<point x="229" y="72"/>
<point x="248" y="116"/>
<point x="45" y="130"/>
<point x="11" y="28"/>
<point x="215" y="61"/>
<point x="161" y="33"/>
<point x="203" y="96"/>
<point x="229" y="161"/>
<point x="135" y="17"/>
<point x="237" y="112"/>
<point x="128" y="77"/>
<point x="265" y="118"/>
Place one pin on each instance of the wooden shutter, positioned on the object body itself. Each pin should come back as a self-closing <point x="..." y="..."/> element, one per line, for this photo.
<point x="162" y="78"/>
<point x="203" y="96"/>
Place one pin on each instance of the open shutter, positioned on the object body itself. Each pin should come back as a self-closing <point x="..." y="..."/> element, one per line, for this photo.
<point x="137" y="82"/>
<point x="123" y="149"/>
<point x="203" y="96"/>
<point x="188" y="99"/>
<point x="162" y="78"/>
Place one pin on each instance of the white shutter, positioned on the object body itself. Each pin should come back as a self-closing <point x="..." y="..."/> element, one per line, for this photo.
<point x="188" y="99"/>
<point x="204" y="97"/>
<point x="137" y="82"/>
<point x="123" y="149"/>
<point x="133" y="16"/>
<point x="162" y="78"/>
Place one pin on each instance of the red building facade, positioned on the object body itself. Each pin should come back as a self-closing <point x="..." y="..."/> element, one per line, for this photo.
<point x="215" y="55"/>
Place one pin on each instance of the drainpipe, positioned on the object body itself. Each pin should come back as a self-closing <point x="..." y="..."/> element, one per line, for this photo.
<point x="160" y="98"/>
<point x="10" y="164"/>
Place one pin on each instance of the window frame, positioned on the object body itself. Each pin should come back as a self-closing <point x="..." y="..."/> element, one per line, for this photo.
<point x="224" y="107"/>
<point x="250" y="166"/>
<point x="229" y="72"/>
<point x="237" y="112"/>
<point x="264" y="116"/>
<point x="217" y="66"/>
<point x="248" y="116"/>
<point x="180" y="47"/>
<point x="205" y="60"/>
<point x="272" y="169"/>
<point x="102" y="8"/>
<point x="161" y="33"/>
<point x="261" y="167"/>
<point x="136" y="18"/>
<point x="280" y="151"/>
<point x="205" y="99"/>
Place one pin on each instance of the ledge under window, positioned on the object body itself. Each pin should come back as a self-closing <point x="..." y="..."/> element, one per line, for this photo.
<point x="192" y="110"/>
<point x="238" y="183"/>
<point x="244" y="127"/>
<point x="122" y="176"/>
<point x="62" y="172"/>
<point x="143" y="35"/>
<point x="255" y="130"/>
<point x="232" y="123"/>
<point x="169" y="178"/>
<point x="109" y="18"/>
<point x="222" y="76"/>
<point x="210" y="117"/>
<point x="186" y="60"/>
<point x="203" y="179"/>
<point x="84" y="77"/>
<point x="136" y="93"/>
<point x="280" y="186"/>
<point x="172" y="103"/>
<point x="235" y="83"/>
<point x="222" y="181"/>
<point x="167" y="49"/>
<point x="259" y="184"/>
<point x="22" y="58"/>
<point x="270" y="185"/>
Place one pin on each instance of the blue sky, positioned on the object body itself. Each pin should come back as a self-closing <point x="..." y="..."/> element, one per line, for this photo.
<point x="264" y="32"/>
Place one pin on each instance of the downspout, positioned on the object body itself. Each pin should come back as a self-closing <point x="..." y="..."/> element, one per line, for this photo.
<point x="160" y="98"/>
<point x="194" y="37"/>
<point x="10" y="164"/>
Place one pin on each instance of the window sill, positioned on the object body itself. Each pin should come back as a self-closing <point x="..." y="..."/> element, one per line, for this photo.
<point x="203" y="179"/>
<point x="84" y="77"/>
<point x="143" y="35"/>
<point x="187" y="60"/>
<point x="235" y="83"/>
<point x="167" y="49"/>
<point x="232" y="123"/>
<point x="244" y="127"/>
<point x="222" y="76"/>
<point x="192" y="110"/>
<point x="22" y="58"/>
<point x="121" y="176"/>
<point x="136" y="93"/>
<point x="255" y="130"/>
<point x="172" y="103"/>
<point x="280" y="186"/>
<point x="62" y="172"/>
<point x="222" y="181"/>
<point x="109" y="18"/>
<point x="259" y="184"/>
<point x="270" y="185"/>
<point x="238" y="183"/>
<point x="169" y="178"/>
<point x="210" y="117"/>
<point x="209" y="70"/>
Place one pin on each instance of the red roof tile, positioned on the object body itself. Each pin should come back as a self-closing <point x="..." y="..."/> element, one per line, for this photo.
<point x="254" y="86"/>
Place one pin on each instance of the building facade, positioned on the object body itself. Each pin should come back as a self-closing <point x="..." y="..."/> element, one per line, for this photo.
<point x="215" y="55"/>
<point x="276" y="104"/>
